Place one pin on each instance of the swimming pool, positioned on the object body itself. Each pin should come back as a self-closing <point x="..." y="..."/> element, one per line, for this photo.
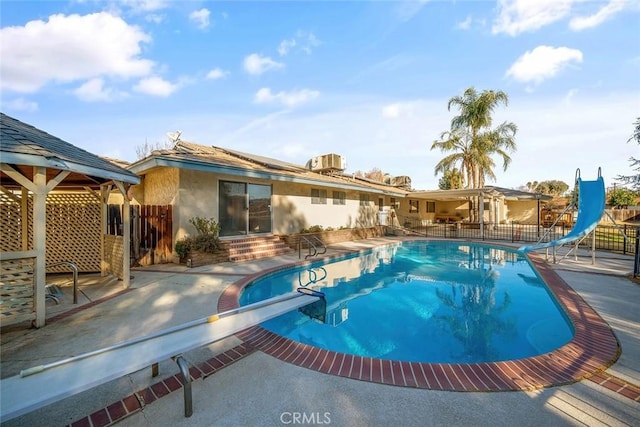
<point x="423" y="301"/>
<point x="593" y="348"/>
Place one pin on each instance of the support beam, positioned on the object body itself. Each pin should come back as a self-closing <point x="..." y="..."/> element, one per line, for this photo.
<point x="40" y="241"/>
<point x="24" y="218"/>
<point x="126" y="234"/>
<point x="18" y="177"/>
<point x="104" y="198"/>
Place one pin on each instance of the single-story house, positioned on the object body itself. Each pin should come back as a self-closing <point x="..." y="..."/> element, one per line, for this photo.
<point x="252" y="195"/>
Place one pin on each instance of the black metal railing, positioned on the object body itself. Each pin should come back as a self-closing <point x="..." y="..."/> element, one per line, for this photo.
<point x="607" y="236"/>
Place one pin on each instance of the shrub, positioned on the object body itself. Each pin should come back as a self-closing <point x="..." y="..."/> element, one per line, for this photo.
<point x="183" y="246"/>
<point x="206" y="239"/>
<point x="312" y="229"/>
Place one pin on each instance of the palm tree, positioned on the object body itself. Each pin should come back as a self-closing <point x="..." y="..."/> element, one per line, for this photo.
<point x="471" y="138"/>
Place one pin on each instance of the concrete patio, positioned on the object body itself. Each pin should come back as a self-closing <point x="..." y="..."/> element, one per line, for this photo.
<point x="260" y="390"/>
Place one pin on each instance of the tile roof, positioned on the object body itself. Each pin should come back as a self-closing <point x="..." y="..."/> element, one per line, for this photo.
<point x="187" y="152"/>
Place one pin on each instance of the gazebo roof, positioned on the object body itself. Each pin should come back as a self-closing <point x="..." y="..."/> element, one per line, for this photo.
<point x="23" y="146"/>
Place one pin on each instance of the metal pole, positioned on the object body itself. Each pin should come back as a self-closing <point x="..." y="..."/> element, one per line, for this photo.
<point x="636" y="264"/>
<point x="188" y="399"/>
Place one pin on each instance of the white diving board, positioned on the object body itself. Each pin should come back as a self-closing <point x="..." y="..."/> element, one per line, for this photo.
<point x="42" y="385"/>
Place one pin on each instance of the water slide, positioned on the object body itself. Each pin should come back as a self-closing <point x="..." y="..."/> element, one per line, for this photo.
<point x="591" y="204"/>
<point x="41" y="385"/>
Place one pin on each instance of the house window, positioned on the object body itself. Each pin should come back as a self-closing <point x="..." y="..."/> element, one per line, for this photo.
<point x="431" y="207"/>
<point x="318" y="197"/>
<point x="339" y="198"/>
<point x="394" y="203"/>
<point x="414" y="206"/>
<point x="364" y="200"/>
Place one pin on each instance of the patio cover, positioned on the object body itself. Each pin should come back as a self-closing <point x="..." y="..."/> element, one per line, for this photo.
<point x="37" y="162"/>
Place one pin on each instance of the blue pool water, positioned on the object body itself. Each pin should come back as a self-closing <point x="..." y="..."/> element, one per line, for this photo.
<point x="423" y="301"/>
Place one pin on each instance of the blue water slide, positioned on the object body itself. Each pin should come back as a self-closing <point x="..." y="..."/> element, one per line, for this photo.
<point x="591" y="204"/>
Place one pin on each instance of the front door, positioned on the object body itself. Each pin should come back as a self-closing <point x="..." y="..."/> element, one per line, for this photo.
<point x="244" y="208"/>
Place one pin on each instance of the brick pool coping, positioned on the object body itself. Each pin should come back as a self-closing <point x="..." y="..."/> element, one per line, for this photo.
<point x="591" y="351"/>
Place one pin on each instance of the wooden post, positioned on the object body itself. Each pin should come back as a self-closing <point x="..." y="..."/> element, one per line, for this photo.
<point x="40" y="241"/>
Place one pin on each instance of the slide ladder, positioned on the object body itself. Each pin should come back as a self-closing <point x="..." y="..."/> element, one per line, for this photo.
<point x="42" y="385"/>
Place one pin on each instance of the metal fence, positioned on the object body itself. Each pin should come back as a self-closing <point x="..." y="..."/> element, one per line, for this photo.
<point x="607" y="237"/>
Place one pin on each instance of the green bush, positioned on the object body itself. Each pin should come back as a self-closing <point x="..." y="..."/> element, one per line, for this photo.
<point x="206" y="239"/>
<point x="312" y="229"/>
<point x="183" y="246"/>
<point x="205" y="227"/>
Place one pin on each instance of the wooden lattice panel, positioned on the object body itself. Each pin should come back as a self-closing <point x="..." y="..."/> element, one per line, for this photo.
<point x="114" y="254"/>
<point x="10" y="222"/>
<point x="73" y="230"/>
<point x="17" y="291"/>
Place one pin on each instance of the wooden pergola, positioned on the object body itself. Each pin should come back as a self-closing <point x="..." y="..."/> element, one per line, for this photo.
<point x="34" y="163"/>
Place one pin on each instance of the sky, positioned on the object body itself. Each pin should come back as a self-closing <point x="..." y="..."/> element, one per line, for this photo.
<point x="369" y="80"/>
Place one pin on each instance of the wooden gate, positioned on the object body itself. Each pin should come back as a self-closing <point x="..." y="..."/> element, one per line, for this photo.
<point x="154" y="234"/>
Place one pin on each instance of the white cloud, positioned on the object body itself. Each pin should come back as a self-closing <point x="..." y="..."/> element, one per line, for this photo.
<point x="256" y="64"/>
<point x="303" y="41"/>
<point x="464" y="25"/>
<point x="95" y="91"/>
<point x="398" y="109"/>
<point x="70" y="48"/>
<point x="407" y="9"/>
<point x="285" y="46"/>
<point x="20" y="104"/>
<point x="217" y="73"/>
<point x="542" y="63"/>
<point x="519" y="16"/>
<point x="613" y="7"/>
<point x="156" y="18"/>
<point x="288" y="99"/>
<point x="201" y="18"/>
<point x="156" y="86"/>
<point x="143" y="5"/>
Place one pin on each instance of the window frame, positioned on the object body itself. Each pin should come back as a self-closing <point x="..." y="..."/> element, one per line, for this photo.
<point x="320" y="196"/>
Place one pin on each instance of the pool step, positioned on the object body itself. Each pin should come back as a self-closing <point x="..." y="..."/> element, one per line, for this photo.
<point x="251" y="248"/>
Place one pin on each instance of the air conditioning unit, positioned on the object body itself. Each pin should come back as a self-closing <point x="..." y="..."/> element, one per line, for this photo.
<point x="328" y="162"/>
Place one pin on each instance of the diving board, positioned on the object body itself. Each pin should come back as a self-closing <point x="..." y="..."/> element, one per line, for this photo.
<point x="42" y="385"/>
<point x="591" y="204"/>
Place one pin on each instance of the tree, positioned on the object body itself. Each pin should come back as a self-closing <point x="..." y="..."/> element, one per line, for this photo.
<point x="452" y="179"/>
<point x="621" y="198"/>
<point x="146" y="149"/>
<point x="553" y="188"/>
<point x="375" y="174"/>
<point x="471" y="139"/>
<point x="531" y="186"/>
<point x="633" y="180"/>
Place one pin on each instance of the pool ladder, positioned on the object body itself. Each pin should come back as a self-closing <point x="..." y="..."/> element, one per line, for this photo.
<point x="317" y="248"/>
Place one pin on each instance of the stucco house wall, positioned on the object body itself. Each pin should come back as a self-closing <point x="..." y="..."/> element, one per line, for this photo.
<point x="524" y="212"/>
<point x="195" y="194"/>
<point x="293" y="209"/>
